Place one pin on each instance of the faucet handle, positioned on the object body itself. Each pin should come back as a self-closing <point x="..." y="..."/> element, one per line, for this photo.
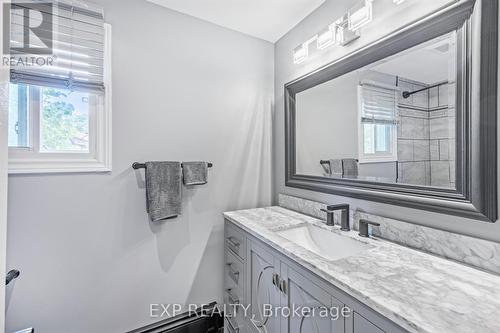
<point x="363" y="227"/>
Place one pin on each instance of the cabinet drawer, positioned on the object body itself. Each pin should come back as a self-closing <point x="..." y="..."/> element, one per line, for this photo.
<point x="231" y="325"/>
<point x="233" y="272"/>
<point x="233" y="298"/>
<point x="235" y="241"/>
<point x="234" y="315"/>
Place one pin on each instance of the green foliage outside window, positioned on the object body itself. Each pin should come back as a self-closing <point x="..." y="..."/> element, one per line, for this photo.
<point x="64" y="127"/>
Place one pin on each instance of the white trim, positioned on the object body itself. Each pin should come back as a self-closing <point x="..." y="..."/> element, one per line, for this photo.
<point x="99" y="159"/>
<point x="4" y="117"/>
<point x="24" y="166"/>
<point x="105" y="151"/>
<point x="378" y="159"/>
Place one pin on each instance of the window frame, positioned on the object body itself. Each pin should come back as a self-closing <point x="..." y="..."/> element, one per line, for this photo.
<point x="376" y="157"/>
<point x="29" y="160"/>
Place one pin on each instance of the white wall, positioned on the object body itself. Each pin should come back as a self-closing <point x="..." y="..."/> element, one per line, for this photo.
<point x="327" y="123"/>
<point x="387" y="18"/>
<point x="183" y="89"/>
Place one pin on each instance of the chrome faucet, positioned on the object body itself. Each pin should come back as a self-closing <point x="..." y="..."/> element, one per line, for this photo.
<point x="344" y="220"/>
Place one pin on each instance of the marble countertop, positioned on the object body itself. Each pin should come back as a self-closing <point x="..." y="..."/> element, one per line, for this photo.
<point x="419" y="292"/>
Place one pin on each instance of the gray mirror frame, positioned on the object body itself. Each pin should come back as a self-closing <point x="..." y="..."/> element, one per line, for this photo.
<point x="476" y="179"/>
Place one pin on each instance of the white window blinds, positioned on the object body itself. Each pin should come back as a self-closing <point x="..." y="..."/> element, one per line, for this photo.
<point x="378" y="104"/>
<point x="76" y="39"/>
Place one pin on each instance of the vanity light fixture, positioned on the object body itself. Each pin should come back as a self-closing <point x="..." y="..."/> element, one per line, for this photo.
<point x="342" y="32"/>
<point x="300" y="53"/>
<point x="327" y="37"/>
<point x="360" y="15"/>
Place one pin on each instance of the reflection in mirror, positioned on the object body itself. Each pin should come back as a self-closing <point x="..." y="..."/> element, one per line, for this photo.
<point x="392" y="121"/>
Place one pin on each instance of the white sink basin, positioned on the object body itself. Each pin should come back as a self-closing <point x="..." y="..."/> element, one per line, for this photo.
<point x="324" y="243"/>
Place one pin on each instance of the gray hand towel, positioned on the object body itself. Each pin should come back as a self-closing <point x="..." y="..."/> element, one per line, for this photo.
<point x="336" y="167"/>
<point x="333" y="168"/>
<point x="163" y="190"/>
<point x="350" y="167"/>
<point x="195" y="173"/>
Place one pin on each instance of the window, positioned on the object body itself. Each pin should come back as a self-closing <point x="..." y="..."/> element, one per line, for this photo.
<point x="60" y="111"/>
<point x="64" y="120"/>
<point x="377" y="125"/>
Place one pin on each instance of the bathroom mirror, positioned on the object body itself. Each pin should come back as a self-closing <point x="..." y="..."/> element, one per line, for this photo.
<point x="398" y="122"/>
<point x="392" y="121"/>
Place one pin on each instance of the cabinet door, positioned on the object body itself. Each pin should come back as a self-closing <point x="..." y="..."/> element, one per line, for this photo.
<point x="262" y="292"/>
<point x="313" y="310"/>
<point x="362" y="325"/>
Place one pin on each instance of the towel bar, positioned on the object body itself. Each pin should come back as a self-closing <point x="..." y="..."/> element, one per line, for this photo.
<point x="137" y="165"/>
<point x="328" y="162"/>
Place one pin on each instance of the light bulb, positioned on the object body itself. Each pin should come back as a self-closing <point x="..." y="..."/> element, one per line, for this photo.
<point x="326" y="37"/>
<point x="360" y="15"/>
<point x="300" y="53"/>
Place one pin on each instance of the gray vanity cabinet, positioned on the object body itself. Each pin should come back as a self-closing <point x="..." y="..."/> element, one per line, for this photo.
<point x="257" y="275"/>
<point x="311" y="305"/>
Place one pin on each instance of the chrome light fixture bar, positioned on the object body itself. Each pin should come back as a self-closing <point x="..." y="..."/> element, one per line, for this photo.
<point x="346" y="35"/>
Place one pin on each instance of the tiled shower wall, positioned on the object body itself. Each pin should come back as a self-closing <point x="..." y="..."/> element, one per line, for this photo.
<point x="413" y="135"/>
<point x="442" y="120"/>
<point x="426" y="136"/>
